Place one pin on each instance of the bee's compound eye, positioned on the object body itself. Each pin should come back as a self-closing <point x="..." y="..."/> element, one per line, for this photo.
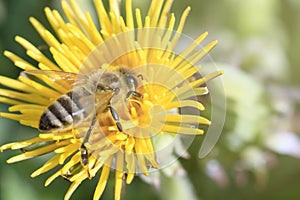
<point x="131" y="81"/>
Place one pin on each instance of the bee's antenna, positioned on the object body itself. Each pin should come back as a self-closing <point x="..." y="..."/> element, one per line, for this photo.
<point x="140" y="76"/>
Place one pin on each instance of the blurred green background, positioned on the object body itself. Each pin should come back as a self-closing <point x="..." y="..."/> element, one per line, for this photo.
<point x="257" y="156"/>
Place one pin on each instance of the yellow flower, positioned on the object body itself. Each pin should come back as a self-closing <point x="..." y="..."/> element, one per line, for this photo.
<point x="145" y="46"/>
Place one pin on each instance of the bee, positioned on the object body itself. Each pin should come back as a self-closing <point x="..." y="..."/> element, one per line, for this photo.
<point x="89" y="96"/>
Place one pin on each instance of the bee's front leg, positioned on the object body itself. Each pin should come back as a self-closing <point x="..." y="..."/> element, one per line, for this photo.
<point x="116" y="118"/>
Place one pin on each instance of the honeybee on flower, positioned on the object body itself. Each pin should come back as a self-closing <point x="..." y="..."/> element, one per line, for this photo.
<point x="109" y="94"/>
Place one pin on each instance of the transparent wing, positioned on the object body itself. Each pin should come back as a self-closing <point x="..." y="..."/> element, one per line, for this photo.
<point x="94" y="104"/>
<point x="65" y="79"/>
<point x="93" y="136"/>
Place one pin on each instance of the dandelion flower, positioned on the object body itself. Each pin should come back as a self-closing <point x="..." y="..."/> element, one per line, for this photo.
<point x="146" y="46"/>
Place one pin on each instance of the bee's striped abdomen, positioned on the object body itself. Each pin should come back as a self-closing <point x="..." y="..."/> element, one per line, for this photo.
<point x="65" y="112"/>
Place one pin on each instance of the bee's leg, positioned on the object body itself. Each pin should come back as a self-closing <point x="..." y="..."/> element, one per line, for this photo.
<point x="134" y="93"/>
<point x="116" y="118"/>
<point x="83" y="149"/>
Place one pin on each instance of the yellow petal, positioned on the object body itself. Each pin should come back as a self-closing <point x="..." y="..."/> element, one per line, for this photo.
<point x="118" y="184"/>
<point x="52" y="177"/>
<point x="186" y="119"/>
<point x="185" y="103"/>
<point x="182" y="130"/>
<point x="50" y="164"/>
<point x="102" y="182"/>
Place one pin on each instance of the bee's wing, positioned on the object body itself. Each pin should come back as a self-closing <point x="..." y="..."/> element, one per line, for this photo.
<point x="96" y="103"/>
<point x="66" y="79"/>
<point x="88" y="104"/>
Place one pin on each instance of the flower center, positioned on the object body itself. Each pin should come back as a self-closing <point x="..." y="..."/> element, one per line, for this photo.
<point x="140" y="111"/>
<point x="148" y="112"/>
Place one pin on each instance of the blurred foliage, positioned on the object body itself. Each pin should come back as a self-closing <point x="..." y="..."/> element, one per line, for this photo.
<point x="259" y="51"/>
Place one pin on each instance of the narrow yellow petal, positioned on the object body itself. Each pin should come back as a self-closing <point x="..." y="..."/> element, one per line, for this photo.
<point x="102" y="182"/>
<point x="130" y="177"/>
<point x="180" y="26"/>
<point x="27" y="45"/>
<point x="38" y="26"/>
<point x="193" y="93"/>
<point x="80" y="39"/>
<point x="81" y="175"/>
<point x="185" y="103"/>
<point x="55" y="136"/>
<point x="186" y="119"/>
<point x="51" y="19"/>
<point x="164" y="13"/>
<point x="64" y="62"/>
<point x="156" y="13"/>
<point x="71" y="189"/>
<point x="79" y="14"/>
<point x="114" y="7"/>
<point x="168" y="34"/>
<point x="116" y="21"/>
<point x="31" y="123"/>
<point x="206" y="78"/>
<point x="70" y="150"/>
<point x="37" y="152"/>
<point x="118" y="184"/>
<point x="182" y="130"/>
<point x="50" y="164"/>
<point x="69" y="13"/>
<point x="189" y="49"/>
<point x="139" y="149"/>
<point x="74" y="160"/>
<point x="52" y="177"/>
<point x="103" y="16"/>
<point x="35" y="53"/>
<point x="94" y="166"/>
<point x="23" y="108"/>
<point x="14" y="84"/>
<point x="138" y="17"/>
<point x="77" y="61"/>
<point x="87" y="26"/>
<point x="53" y="42"/>
<point x="42" y="90"/>
<point x="10" y="101"/>
<point x="59" y="19"/>
<point x="31" y="98"/>
<point x="94" y="33"/>
<point x="19" y="62"/>
<point x="149" y="152"/>
<point x="129" y="16"/>
<point x="19" y="117"/>
<point x="198" y="55"/>
<point x="131" y="165"/>
<point x="22" y="144"/>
